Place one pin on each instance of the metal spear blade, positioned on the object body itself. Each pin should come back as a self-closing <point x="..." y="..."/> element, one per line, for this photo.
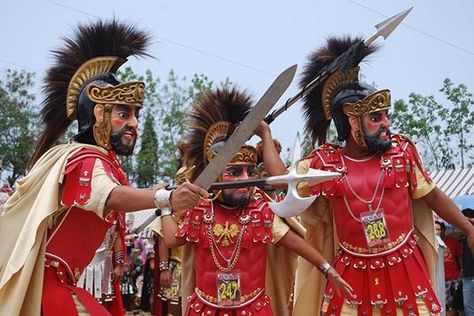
<point x="386" y="27"/>
<point x="293" y="204"/>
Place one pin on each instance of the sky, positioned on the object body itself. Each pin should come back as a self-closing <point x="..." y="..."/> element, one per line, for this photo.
<point x="252" y="41"/>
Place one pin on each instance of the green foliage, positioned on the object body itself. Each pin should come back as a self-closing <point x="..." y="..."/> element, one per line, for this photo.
<point x="422" y="119"/>
<point x="175" y="100"/>
<point x="460" y="119"/>
<point x="444" y="132"/>
<point x="18" y="122"/>
<point x="307" y="145"/>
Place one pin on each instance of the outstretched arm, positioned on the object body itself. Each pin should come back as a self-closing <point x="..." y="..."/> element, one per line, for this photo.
<point x="448" y="211"/>
<point x="128" y="199"/>
<point x="300" y="246"/>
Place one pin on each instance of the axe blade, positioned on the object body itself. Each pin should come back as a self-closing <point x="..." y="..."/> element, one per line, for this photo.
<point x="292" y="204"/>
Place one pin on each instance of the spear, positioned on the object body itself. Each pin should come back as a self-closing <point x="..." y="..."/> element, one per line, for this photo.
<point x="344" y="62"/>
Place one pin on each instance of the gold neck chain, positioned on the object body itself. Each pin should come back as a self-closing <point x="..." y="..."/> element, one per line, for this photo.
<point x="357" y="196"/>
<point x="232" y="261"/>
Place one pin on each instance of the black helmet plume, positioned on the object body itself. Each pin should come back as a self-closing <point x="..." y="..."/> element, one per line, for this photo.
<point x="221" y="104"/>
<point x="316" y="122"/>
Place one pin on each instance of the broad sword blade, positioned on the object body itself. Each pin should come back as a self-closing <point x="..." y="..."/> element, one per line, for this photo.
<point x="245" y="130"/>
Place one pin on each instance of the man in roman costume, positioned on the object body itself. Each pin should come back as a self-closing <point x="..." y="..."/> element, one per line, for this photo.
<point x="230" y="233"/>
<point x="75" y="193"/>
<point x="375" y="219"/>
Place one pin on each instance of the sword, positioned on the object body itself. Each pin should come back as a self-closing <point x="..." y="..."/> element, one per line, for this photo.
<point x="246" y="129"/>
<point x="344" y="62"/>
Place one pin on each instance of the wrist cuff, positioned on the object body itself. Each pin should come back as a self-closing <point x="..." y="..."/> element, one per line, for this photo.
<point x="166" y="212"/>
<point x="162" y="198"/>
<point x="324" y="268"/>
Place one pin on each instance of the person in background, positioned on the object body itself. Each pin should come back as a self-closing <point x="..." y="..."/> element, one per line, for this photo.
<point x="440" y="285"/>
<point x="452" y="273"/>
<point x="146" y="300"/>
<point x="5" y="192"/>
<point x="166" y="299"/>
<point x="468" y="270"/>
<point x="132" y="269"/>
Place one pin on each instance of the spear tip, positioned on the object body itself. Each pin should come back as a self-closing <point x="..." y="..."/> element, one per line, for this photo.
<point x="385" y="28"/>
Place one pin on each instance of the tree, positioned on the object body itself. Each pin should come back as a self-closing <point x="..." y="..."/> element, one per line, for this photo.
<point x="441" y="130"/>
<point x="176" y="100"/>
<point x="18" y="122"/>
<point x="422" y="119"/>
<point x="147" y="158"/>
<point x="460" y="119"/>
<point x="307" y="144"/>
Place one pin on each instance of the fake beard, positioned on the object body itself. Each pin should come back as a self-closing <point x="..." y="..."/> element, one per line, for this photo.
<point x="374" y="143"/>
<point x="117" y="144"/>
<point x="232" y="200"/>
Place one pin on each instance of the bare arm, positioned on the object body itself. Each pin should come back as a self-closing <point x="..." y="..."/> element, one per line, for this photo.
<point x="170" y="228"/>
<point x="128" y="199"/>
<point x="448" y="211"/>
<point x="300" y="246"/>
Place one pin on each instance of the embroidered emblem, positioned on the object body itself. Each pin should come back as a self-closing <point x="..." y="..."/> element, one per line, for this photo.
<point x="225" y="234"/>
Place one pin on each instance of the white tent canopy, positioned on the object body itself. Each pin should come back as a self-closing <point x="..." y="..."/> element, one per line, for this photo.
<point x="456" y="182"/>
<point x="141" y="221"/>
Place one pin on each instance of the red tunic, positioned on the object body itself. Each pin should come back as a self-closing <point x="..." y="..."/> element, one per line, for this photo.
<point x="380" y="259"/>
<point x="72" y="244"/>
<point x="452" y="256"/>
<point x="248" y="232"/>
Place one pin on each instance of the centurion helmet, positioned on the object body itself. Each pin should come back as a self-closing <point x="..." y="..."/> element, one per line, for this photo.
<point x="341" y="94"/>
<point x="211" y="121"/>
<point x="84" y="75"/>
